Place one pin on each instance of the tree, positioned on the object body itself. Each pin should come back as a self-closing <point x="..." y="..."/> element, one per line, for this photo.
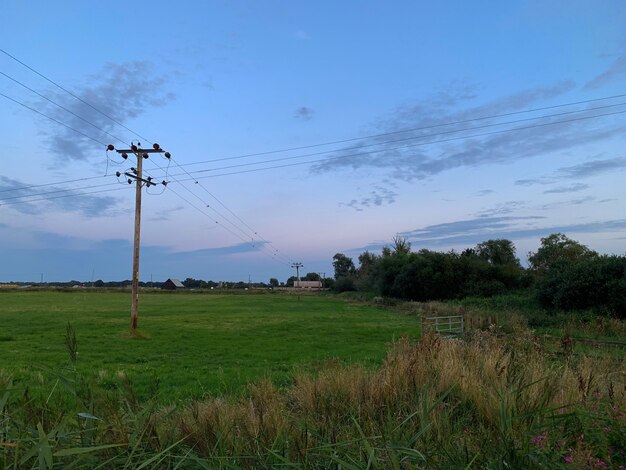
<point x="311" y="277"/>
<point x="273" y="282"/>
<point x="498" y="252"/>
<point x="367" y="261"/>
<point x="344" y="266"/>
<point x="401" y="246"/>
<point x="557" y="249"/>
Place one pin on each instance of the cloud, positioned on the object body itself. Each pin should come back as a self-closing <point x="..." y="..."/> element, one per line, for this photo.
<point x="533" y="181"/>
<point x="592" y="168"/>
<point x="304" y="113"/>
<point x="62" y="257"/>
<point x="379" y="196"/>
<point x="225" y="250"/>
<point x="120" y="92"/>
<point x="432" y="148"/>
<point x="502" y="208"/>
<point x="484" y="192"/>
<point x="571" y="202"/>
<point x="582" y="170"/>
<point x="616" y="71"/>
<point x="28" y="199"/>
<point x="567" y="189"/>
<point x="165" y="214"/>
<point x="472" y="231"/>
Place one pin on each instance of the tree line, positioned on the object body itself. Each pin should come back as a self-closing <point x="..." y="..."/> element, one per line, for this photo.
<point x="562" y="274"/>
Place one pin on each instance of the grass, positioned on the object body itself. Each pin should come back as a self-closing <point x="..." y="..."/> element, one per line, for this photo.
<point x="191" y="343"/>
<point x="486" y="401"/>
<point x="493" y="399"/>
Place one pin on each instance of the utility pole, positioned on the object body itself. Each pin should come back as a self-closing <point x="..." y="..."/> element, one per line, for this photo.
<point x="297" y="266"/>
<point x="322" y="277"/>
<point x="136" y="174"/>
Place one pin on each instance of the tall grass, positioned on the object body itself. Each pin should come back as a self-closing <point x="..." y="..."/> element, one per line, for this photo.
<point x="485" y="401"/>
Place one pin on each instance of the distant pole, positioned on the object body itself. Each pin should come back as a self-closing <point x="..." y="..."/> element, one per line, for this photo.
<point x="297" y="266"/>
<point x="137" y="175"/>
<point x="41" y="282"/>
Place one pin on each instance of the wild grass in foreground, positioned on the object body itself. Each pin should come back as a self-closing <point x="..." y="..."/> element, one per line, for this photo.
<point x="484" y="401"/>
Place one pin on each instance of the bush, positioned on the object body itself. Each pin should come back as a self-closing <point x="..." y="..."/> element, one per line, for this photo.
<point x="344" y="284"/>
<point x="598" y="283"/>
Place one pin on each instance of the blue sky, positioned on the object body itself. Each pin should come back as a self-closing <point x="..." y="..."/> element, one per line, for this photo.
<point x="441" y="121"/>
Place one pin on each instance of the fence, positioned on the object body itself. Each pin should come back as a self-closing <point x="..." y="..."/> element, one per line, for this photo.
<point x="447" y="325"/>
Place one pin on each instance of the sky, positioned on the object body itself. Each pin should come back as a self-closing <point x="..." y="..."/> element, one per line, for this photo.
<point x="300" y="129"/>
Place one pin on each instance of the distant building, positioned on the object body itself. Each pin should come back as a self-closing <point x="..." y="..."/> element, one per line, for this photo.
<point x="172" y="284"/>
<point x="307" y="284"/>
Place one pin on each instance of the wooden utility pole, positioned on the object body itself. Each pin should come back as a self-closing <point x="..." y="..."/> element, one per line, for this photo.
<point x="136" y="174"/>
<point x="134" y="304"/>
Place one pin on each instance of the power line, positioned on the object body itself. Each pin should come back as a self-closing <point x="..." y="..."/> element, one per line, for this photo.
<point x="222" y="225"/>
<point x="252" y="242"/>
<point x="193" y="178"/>
<point x="57" y="191"/>
<point x="252" y="231"/>
<point x="52" y="119"/>
<point x="109" y="117"/>
<point x="434" y="126"/>
<point x="60" y="197"/>
<point x="72" y="94"/>
<point x="419" y="144"/>
<point x="60" y="106"/>
<point x="78" y="179"/>
<point x="20" y="188"/>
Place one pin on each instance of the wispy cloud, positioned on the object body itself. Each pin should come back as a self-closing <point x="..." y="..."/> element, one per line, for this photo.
<point x="592" y="168"/>
<point x="165" y="214"/>
<point x="533" y="181"/>
<point x="503" y="208"/>
<point x="379" y="196"/>
<point x="567" y="189"/>
<point x="483" y="192"/>
<point x="616" y="71"/>
<point x="570" y="202"/>
<point x="226" y="250"/>
<point x="472" y="231"/>
<point x="582" y="170"/>
<point x="26" y="199"/>
<point x="304" y="113"/>
<point x="437" y="148"/>
<point x="121" y="92"/>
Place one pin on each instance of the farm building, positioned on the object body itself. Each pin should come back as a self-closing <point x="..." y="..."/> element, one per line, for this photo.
<point x="172" y="284"/>
<point x="308" y="284"/>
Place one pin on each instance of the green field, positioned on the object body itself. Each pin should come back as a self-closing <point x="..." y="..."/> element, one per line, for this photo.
<point x="192" y="344"/>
